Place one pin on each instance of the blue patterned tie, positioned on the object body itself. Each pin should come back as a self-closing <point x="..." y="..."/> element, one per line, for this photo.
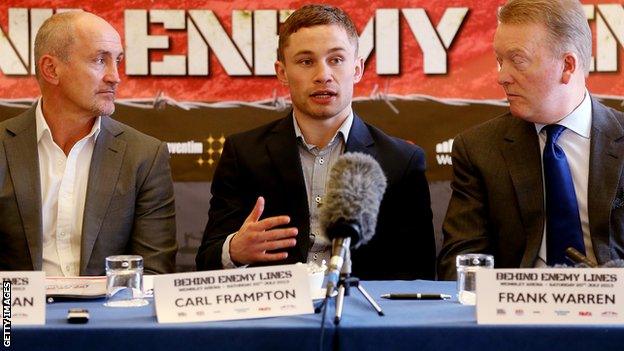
<point x="563" y="223"/>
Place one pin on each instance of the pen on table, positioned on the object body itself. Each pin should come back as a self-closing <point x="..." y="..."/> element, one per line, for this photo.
<point x="416" y="296"/>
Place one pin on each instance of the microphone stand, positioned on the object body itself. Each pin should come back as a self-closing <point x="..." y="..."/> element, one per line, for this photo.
<point x="346" y="282"/>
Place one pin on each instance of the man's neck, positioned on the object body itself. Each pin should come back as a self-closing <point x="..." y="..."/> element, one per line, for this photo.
<point x="575" y="97"/>
<point x="319" y="132"/>
<point x="66" y="127"/>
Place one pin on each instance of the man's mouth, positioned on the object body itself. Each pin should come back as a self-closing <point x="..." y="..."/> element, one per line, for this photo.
<point x="512" y="95"/>
<point x="323" y="94"/>
<point x="109" y="92"/>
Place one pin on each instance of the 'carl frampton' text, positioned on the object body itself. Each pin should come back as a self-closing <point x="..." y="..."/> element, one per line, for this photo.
<point x="256" y="296"/>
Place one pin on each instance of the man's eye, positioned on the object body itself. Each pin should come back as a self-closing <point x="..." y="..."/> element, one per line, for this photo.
<point x="517" y="60"/>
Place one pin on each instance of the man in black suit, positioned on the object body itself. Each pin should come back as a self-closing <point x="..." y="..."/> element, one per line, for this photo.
<point x="279" y="170"/>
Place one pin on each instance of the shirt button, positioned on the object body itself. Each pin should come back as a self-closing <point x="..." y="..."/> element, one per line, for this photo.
<point x="315" y="256"/>
<point x="321" y="160"/>
<point x="318" y="199"/>
<point x="62" y="235"/>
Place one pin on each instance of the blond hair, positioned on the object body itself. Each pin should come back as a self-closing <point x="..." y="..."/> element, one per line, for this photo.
<point x="564" y="20"/>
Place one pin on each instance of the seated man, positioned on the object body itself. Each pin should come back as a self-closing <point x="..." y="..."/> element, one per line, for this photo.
<point x="548" y="175"/>
<point x="279" y="171"/>
<point x="75" y="185"/>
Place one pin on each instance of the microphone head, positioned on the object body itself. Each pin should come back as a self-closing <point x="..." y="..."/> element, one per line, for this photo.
<point x="354" y="191"/>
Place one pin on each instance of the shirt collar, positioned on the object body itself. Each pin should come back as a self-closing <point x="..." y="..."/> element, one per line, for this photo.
<point x="42" y="125"/>
<point x="344" y="130"/>
<point x="578" y="121"/>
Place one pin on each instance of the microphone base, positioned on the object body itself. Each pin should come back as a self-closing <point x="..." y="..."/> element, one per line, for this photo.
<point x="344" y="288"/>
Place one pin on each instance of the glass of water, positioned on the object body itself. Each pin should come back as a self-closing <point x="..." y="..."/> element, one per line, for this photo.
<point x="467" y="267"/>
<point x="124" y="281"/>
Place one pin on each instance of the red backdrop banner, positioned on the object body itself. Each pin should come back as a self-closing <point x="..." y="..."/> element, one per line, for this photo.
<point x="224" y="50"/>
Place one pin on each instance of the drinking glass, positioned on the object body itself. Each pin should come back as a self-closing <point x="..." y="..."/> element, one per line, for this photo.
<point x="124" y="281"/>
<point x="467" y="267"/>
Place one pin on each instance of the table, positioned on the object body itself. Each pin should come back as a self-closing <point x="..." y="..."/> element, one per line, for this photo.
<point x="407" y="325"/>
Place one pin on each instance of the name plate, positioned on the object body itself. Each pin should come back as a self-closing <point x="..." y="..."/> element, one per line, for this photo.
<point x="550" y="296"/>
<point x="23" y="298"/>
<point x="232" y="294"/>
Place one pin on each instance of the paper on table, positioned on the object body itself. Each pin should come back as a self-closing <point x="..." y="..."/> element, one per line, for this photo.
<point x="76" y="287"/>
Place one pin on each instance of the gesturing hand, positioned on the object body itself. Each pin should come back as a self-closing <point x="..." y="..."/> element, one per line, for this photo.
<point x="255" y="237"/>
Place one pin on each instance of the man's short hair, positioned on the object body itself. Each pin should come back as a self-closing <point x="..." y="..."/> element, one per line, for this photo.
<point x="564" y="20"/>
<point x="315" y="15"/>
<point x="55" y="37"/>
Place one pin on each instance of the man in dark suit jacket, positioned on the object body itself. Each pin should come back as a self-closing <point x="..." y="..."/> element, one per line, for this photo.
<point x="318" y="61"/>
<point x="498" y="203"/>
<point x="51" y="217"/>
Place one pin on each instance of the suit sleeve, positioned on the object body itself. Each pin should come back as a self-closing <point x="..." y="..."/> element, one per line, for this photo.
<point x="154" y="232"/>
<point x="227" y="208"/>
<point x="424" y="249"/>
<point x="465" y="225"/>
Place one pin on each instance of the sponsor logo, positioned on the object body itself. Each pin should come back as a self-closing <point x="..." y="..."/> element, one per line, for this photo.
<point x="609" y="314"/>
<point x="185" y="148"/>
<point x="288" y="307"/>
<point x="585" y="314"/>
<point x="443" y="153"/>
<point x="501" y="311"/>
<point x="519" y="312"/>
<point x="215" y="147"/>
<point x="264" y="309"/>
<point x="562" y="312"/>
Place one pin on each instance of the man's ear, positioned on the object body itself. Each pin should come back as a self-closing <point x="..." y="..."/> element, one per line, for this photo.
<point x="48" y="69"/>
<point x="359" y="69"/>
<point x="570" y="65"/>
<point x="280" y="71"/>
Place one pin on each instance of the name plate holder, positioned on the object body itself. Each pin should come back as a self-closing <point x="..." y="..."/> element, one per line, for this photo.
<point x="550" y="296"/>
<point x="23" y="298"/>
<point x="232" y="294"/>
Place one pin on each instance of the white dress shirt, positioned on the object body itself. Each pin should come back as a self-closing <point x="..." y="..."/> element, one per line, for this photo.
<point x="63" y="191"/>
<point x="575" y="142"/>
<point x="316" y="164"/>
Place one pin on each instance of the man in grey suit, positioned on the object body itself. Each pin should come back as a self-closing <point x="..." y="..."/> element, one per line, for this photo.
<point x="506" y="197"/>
<point x="75" y="185"/>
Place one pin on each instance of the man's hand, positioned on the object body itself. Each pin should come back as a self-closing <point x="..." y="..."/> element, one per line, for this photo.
<point x="255" y="237"/>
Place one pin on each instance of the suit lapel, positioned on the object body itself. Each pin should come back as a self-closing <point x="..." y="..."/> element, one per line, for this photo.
<point x="605" y="168"/>
<point x="23" y="161"/>
<point x="284" y="154"/>
<point x="522" y="157"/>
<point x="360" y="139"/>
<point x="103" y="175"/>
